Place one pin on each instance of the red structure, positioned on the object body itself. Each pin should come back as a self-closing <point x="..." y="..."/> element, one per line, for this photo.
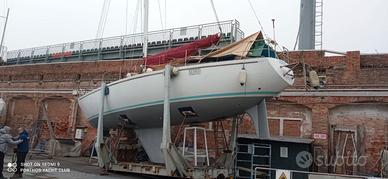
<point x="181" y="51"/>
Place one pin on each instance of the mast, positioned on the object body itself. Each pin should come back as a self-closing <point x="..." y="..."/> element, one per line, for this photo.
<point x="307" y="25"/>
<point x="2" y="37"/>
<point x="145" y="31"/>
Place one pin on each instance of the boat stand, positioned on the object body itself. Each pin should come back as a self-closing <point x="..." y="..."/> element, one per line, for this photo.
<point x="101" y="149"/>
<point x="174" y="162"/>
<point x="228" y="158"/>
<point x="196" y="154"/>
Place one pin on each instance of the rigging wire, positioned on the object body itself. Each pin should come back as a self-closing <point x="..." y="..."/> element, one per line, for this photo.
<point x="141" y="16"/>
<point x="257" y="18"/>
<point x="136" y="17"/>
<point x="135" y="23"/>
<point x="297" y="37"/>
<point x="106" y="17"/>
<point x="100" y="20"/>
<point x="165" y="14"/>
<point x="165" y="25"/>
<point x="215" y="14"/>
<point x="126" y="16"/>
<point x="219" y="26"/>
<point x="5" y="7"/>
<point x="276" y="44"/>
<point x="103" y="19"/>
<point x="160" y="15"/>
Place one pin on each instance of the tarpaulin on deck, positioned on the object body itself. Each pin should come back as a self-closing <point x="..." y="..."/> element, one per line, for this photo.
<point x="251" y="46"/>
<point x="181" y="51"/>
<point x="239" y="48"/>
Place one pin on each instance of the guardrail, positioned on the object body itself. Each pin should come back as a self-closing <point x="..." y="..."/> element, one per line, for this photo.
<point x="126" y="46"/>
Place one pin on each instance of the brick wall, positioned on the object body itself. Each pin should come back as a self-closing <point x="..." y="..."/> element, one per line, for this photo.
<point x="317" y="114"/>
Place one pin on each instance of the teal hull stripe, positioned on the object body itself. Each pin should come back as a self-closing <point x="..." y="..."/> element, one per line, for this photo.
<point x="158" y="102"/>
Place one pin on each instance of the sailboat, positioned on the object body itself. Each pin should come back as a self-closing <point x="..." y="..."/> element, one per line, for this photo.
<point x="225" y="83"/>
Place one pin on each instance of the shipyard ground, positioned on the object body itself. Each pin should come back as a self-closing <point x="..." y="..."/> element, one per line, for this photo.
<point x="71" y="167"/>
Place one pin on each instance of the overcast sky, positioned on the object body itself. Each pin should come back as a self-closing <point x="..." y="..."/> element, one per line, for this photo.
<point x="348" y="24"/>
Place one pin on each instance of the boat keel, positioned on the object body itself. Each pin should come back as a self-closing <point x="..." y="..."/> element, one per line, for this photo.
<point x="258" y="114"/>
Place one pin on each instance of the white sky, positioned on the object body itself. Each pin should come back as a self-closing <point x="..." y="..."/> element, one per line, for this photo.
<point x="348" y="24"/>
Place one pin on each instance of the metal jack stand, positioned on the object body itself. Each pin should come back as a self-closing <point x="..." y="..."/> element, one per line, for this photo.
<point x="195" y="155"/>
<point x="102" y="151"/>
<point x="174" y="161"/>
<point x="227" y="160"/>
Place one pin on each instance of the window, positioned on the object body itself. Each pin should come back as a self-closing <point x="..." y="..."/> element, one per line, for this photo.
<point x="284" y="152"/>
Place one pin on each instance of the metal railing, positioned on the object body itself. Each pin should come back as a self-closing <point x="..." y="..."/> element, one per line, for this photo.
<point x="166" y="38"/>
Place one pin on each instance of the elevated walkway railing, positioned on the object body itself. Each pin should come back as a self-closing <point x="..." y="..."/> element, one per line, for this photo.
<point x="125" y="46"/>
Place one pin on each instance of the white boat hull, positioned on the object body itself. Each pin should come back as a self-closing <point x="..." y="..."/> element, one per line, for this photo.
<point x="212" y="90"/>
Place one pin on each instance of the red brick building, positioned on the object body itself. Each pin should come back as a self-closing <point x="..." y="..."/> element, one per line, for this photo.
<point x="349" y="115"/>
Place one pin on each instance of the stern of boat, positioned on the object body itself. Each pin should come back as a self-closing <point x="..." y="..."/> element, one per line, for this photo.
<point x="282" y="69"/>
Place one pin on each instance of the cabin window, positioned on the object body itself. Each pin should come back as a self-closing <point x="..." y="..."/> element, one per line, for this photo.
<point x="261" y="49"/>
